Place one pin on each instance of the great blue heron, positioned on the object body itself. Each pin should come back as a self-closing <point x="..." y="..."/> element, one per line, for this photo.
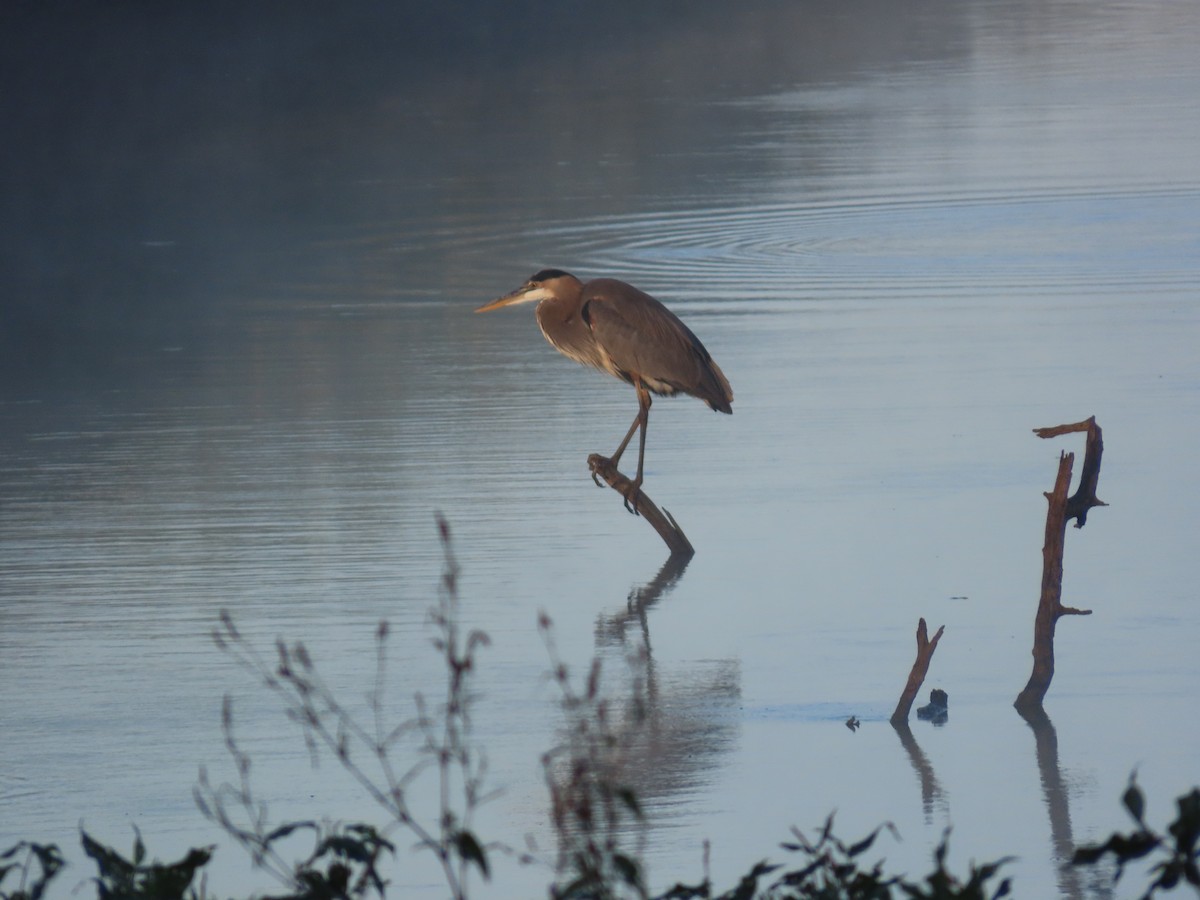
<point x="616" y="328"/>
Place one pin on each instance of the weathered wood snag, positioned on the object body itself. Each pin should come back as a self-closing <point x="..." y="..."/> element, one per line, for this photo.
<point x="916" y="677"/>
<point x="1084" y="497"/>
<point x="660" y="520"/>
<point x="1062" y="508"/>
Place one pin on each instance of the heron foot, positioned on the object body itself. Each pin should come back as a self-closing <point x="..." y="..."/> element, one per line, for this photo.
<point x="600" y="465"/>
<point x="605" y="474"/>
<point x="631" y="497"/>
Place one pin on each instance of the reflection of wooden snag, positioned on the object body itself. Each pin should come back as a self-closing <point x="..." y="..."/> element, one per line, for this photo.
<point x="1062" y="508"/>
<point x="1056" y="795"/>
<point x="916" y="677"/>
<point x="610" y="630"/>
<point x="931" y="791"/>
<point x="660" y="520"/>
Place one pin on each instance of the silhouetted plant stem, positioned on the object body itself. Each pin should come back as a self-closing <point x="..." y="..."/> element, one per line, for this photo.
<point x="442" y="733"/>
<point x="1178" y="855"/>
<point x="20" y="860"/>
<point x="592" y="805"/>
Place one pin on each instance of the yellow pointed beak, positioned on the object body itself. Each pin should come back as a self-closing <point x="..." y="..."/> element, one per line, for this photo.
<point x="524" y="294"/>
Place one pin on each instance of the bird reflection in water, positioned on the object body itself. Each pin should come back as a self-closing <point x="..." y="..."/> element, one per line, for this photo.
<point x="690" y="713"/>
<point x="617" y="328"/>
<point x="611" y="630"/>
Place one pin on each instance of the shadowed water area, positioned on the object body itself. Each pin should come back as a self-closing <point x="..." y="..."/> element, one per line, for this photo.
<point x="239" y="369"/>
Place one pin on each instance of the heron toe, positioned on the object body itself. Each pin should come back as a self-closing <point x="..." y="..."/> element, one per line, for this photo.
<point x="631" y="497"/>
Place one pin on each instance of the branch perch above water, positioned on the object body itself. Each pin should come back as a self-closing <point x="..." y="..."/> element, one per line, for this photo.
<point x="660" y="520"/>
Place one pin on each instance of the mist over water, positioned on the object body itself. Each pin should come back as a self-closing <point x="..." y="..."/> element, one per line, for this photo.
<point x="239" y="369"/>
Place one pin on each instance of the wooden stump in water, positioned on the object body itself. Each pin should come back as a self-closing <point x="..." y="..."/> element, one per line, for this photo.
<point x="916" y="677"/>
<point x="1062" y="508"/>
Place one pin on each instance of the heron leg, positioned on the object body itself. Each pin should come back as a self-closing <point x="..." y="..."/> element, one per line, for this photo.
<point x="631" y="498"/>
<point x="616" y="457"/>
<point x="639" y="424"/>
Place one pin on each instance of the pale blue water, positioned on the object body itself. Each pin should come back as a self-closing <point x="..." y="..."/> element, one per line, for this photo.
<point x="243" y="374"/>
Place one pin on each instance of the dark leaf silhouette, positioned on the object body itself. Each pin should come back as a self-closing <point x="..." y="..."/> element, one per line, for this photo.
<point x="471" y="851"/>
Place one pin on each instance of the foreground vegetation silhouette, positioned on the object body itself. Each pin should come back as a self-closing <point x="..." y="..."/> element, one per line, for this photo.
<point x="594" y="812"/>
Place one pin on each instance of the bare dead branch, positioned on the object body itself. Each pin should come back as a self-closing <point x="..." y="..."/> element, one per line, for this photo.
<point x="1084" y="497"/>
<point x="1061" y="509"/>
<point x="916" y="677"/>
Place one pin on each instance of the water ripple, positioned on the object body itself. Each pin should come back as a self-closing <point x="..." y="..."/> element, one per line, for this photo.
<point x="1034" y="241"/>
<point x="1084" y="240"/>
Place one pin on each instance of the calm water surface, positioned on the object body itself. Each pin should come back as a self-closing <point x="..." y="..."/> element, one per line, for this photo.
<point x="243" y="374"/>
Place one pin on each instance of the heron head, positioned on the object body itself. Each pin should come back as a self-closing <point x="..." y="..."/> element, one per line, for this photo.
<point x="544" y="285"/>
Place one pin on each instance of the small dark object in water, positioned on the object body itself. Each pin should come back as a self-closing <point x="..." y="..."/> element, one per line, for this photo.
<point x="938" y="709"/>
<point x="852" y="723"/>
